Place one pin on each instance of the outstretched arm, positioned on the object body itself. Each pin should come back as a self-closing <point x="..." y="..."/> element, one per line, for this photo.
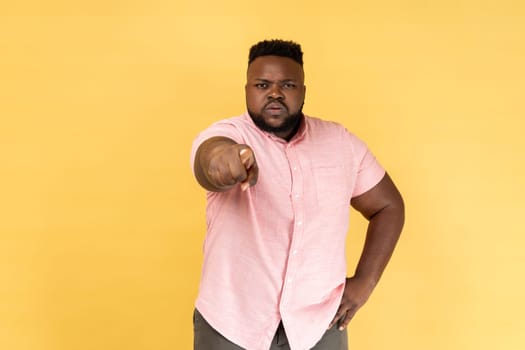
<point x="383" y="207"/>
<point x="220" y="163"/>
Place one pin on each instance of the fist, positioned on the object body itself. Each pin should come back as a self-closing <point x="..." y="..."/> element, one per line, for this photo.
<point x="232" y="164"/>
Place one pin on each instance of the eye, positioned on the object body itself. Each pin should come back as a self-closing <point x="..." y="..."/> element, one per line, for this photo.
<point x="288" y="85"/>
<point x="261" y="85"/>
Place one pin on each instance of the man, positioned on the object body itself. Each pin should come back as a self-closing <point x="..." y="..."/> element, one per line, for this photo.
<point x="279" y="186"/>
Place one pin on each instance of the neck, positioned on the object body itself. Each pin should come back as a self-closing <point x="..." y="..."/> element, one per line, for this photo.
<point x="288" y="134"/>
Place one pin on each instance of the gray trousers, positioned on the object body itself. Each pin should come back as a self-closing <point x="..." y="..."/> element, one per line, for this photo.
<point x="207" y="338"/>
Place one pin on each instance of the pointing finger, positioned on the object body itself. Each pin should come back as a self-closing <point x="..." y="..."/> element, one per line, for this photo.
<point x="251" y="179"/>
<point x="247" y="158"/>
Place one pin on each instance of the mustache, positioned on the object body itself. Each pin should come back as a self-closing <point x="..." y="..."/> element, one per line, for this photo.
<point x="274" y="101"/>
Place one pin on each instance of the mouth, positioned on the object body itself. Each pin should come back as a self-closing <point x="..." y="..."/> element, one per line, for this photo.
<point x="275" y="108"/>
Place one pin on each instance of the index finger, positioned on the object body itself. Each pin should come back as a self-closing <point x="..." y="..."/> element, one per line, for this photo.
<point x="247" y="157"/>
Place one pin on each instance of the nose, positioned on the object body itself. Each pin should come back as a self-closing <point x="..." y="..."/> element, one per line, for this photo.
<point x="275" y="93"/>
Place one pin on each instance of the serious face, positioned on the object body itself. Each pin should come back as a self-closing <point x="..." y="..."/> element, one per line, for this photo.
<point x="275" y="94"/>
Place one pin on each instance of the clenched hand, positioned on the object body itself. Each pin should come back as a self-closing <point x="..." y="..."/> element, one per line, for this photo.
<point x="223" y="164"/>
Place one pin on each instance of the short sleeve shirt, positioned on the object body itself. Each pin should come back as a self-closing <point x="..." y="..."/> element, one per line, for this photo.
<point x="277" y="250"/>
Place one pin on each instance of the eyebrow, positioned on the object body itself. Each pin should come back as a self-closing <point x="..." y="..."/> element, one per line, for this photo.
<point x="280" y="81"/>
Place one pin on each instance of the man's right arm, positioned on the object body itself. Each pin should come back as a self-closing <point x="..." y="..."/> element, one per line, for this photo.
<point x="220" y="163"/>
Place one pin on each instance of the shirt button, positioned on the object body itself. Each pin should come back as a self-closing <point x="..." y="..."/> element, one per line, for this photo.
<point x="290" y="280"/>
<point x="294" y="168"/>
<point x="294" y="252"/>
<point x="297" y="195"/>
<point x="299" y="223"/>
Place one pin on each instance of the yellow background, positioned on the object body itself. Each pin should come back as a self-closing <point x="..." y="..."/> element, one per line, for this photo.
<point x="101" y="223"/>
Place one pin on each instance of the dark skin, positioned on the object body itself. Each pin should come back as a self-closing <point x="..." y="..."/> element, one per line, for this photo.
<point x="384" y="209"/>
<point x="275" y="92"/>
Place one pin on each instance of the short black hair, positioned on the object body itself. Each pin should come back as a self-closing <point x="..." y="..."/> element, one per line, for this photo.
<point x="276" y="47"/>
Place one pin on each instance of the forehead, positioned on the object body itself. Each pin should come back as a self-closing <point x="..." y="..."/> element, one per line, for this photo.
<point x="275" y="68"/>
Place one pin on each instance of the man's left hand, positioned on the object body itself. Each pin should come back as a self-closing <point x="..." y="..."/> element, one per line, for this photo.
<point x="356" y="293"/>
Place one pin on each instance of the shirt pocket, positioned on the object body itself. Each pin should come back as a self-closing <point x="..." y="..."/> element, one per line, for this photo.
<point x="332" y="185"/>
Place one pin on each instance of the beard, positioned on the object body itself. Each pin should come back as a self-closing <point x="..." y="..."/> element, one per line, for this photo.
<point x="289" y="124"/>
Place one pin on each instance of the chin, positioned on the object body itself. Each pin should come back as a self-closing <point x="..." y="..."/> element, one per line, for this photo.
<point x="278" y="123"/>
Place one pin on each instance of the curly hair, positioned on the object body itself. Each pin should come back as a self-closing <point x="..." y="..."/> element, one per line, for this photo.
<point x="276" y="47"/>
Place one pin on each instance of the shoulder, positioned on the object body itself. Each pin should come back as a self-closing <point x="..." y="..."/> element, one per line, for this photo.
<point x="233" y="127"/>
<point x="317" y="123"/>
<point x="237" y="121"/>
<point x="325" y="128"/>
<point x="335" y="136"/>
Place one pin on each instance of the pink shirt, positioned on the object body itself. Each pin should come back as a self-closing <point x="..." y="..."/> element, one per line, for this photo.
<point x="277" y="251"/>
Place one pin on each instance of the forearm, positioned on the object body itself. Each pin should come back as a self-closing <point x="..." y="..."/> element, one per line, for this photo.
<point x="207" y="150"/>
<point x="384" y="228"/>
<point x="383" y="232"/>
